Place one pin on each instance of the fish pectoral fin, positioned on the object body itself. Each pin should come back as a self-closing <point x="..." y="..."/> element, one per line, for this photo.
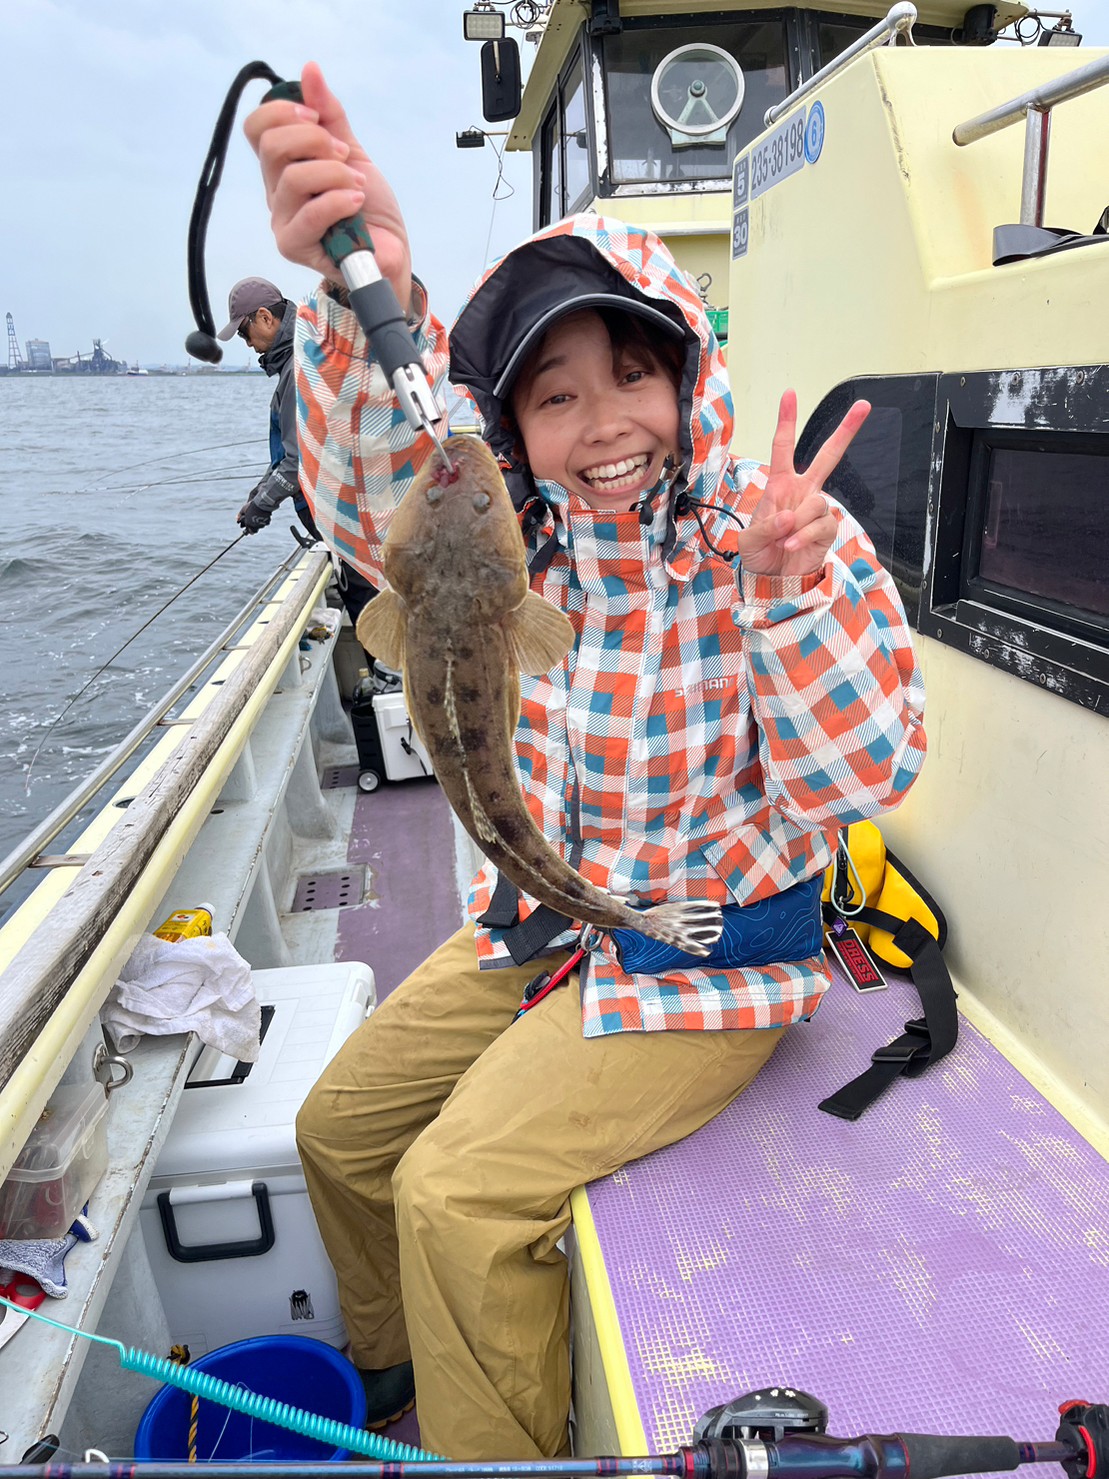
<point x="538" y="634"/>
<point x="381" y="627"/>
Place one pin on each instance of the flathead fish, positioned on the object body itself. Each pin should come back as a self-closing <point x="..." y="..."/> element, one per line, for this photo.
<point x="461" y="624"/>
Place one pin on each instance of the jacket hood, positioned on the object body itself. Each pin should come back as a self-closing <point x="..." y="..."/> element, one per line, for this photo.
<point x="280" y="351"/>
<point x="584" y="255"/>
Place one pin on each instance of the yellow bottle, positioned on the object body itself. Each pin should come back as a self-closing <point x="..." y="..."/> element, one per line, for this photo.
<point x="186" y="924"/>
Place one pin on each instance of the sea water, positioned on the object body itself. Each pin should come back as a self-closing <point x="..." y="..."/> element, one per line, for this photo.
<point x="114" y="492"/>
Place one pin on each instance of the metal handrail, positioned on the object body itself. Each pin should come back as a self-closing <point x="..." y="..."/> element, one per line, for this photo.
<point x="32" y="845"/>
<point x="1035" y="108"/>
<point x="901" y="17"/>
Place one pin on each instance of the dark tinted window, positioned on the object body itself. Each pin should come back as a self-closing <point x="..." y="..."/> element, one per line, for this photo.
<point x="883" y="478"/>
<point x="835" y="36"/>
<point x="1043" y="526"/>
<point x="639" y="146"/>
<point x="550" y="204"/>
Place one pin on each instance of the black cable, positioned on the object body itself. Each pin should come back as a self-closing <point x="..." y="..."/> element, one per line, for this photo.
<point x="202" y="343"/>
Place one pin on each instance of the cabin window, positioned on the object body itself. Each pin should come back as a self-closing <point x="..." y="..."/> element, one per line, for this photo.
<point x="1018" y="538"/>
<point x="640" y="147"/>
<point x="883" y="478"/>
<point x="575" y="142"/>
<point x="834" y="34"/>
<point x="564" y="172"/>
<point x="550" y="170"/>
<point x="1039" y="524"/>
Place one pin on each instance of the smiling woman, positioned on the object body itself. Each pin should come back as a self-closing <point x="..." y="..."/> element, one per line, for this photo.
<point x="597" y="406"/>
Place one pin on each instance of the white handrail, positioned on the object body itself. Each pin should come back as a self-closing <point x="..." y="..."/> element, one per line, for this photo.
<point x="902" y="17"/>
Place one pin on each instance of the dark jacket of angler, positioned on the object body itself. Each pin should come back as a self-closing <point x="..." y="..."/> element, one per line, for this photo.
<point x="461" y="623"/>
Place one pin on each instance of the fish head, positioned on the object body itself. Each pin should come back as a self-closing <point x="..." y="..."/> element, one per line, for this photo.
<point x="456" y="537"/>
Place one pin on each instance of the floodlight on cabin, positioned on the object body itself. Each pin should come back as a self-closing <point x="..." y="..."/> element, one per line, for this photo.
<point x="1061" y="34"/>
<point x="470" y="138"/>
<point x="483" y="23"/>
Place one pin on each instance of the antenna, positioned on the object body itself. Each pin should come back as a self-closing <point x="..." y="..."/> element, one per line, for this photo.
<point x="15" y="359"/>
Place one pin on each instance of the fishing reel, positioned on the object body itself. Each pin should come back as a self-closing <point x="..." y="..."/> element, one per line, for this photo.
<point x="1085" y="1427"/>
<point x="782" y="1431"/>
<point x="768" y="1414"/>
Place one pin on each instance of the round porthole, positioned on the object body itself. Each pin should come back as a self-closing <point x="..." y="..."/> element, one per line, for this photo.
<point x="696" y="91"/>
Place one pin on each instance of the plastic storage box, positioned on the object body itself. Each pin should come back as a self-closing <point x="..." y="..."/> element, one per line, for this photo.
<point x="405" y="756"/>
<point x="60" y="1165"/>
<point x="228" y="1227"/>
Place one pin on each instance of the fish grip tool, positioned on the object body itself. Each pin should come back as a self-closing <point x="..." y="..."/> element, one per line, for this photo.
<point x="350" y="246"/>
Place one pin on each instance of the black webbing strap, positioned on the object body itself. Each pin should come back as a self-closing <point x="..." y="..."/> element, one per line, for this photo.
<point x="523" y="938"/>
<point x="925" y="1039"/>
<point x="504" y="907"/>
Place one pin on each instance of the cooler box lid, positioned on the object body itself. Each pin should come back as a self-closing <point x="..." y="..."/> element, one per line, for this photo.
<point x="239" y="1117"/>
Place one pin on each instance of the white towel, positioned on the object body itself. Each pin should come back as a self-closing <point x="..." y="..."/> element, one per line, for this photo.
<point x="201" y="985"/>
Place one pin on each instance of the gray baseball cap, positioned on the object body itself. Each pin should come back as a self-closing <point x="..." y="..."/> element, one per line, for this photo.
<point x="246" y="297"/>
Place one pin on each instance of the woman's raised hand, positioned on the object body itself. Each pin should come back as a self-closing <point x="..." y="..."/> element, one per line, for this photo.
<point x="316" y="173"/>
<point x="792" y="528"/>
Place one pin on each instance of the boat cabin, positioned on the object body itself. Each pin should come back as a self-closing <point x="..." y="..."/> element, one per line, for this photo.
<point x="639" y="108"/>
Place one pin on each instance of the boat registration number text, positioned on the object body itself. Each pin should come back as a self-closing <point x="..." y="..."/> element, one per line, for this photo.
<point x="780" y="154"/>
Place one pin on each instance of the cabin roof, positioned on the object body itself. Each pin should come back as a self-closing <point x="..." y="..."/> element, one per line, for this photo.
<point x="567" y="16"/>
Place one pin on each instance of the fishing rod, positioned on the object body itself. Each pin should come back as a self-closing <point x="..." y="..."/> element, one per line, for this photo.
<point x="1080" y="1447"/>
<point x="773" y="1433"/>
<point x="84" y="689"/>
<point x="349" y="245"/>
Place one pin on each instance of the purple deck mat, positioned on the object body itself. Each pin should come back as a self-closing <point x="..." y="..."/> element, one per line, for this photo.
<point x="941" y="1265"/>
<point x="403" y="835"/>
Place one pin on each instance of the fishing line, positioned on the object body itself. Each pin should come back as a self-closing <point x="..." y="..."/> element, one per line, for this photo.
<point x="54" y="723"/>
<point x="148" y="461"/>
<point x="240" y="475"/>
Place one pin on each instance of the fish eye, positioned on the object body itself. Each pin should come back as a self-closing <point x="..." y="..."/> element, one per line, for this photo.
<point x="481" y="502"/>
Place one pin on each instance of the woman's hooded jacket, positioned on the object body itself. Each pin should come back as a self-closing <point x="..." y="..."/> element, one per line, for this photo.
<point x="710" y="730"/>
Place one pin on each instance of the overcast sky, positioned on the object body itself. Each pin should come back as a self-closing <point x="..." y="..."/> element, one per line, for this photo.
<point x="108" y="111"/>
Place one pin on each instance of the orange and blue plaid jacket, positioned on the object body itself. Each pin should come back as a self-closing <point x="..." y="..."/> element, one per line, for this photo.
<point x="709" y="732"/>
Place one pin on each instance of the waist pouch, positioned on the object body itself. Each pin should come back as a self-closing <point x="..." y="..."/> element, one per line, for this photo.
<point x="785" y="927"/>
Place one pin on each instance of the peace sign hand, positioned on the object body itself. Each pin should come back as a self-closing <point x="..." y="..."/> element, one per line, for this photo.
<point x="792" y="528"/>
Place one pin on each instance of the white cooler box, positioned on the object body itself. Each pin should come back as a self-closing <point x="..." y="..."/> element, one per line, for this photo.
<point x="402" y="747"/>
<point x="226" y="1221"/>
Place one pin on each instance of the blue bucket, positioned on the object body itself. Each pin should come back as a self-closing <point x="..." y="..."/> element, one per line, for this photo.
<point x="304" y="1373"/>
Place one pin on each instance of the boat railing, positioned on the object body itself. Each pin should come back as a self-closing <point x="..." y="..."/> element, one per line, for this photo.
<point x="29" y="854"/>
<point x="92" y="920"/>
<point x="900" y="19"/>
<point x="1035" y="108"/>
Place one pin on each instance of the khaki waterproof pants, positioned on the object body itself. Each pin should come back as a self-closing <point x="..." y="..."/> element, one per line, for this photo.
<point x="440" y="1148"/>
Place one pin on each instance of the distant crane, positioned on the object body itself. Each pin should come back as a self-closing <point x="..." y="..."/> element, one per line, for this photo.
<point x="15" y="359"/>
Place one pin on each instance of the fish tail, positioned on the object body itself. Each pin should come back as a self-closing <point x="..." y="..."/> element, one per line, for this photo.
<point x="693" y="926"/>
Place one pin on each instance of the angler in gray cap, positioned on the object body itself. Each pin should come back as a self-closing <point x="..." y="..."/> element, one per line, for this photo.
<point x="261" y="315"/>
<point x="266" y="320"/>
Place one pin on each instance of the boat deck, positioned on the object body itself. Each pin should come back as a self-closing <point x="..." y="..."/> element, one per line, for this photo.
<point x="937" y="1266"/>
<point x="932" y="1267"/>
<point x="411" y="905"/>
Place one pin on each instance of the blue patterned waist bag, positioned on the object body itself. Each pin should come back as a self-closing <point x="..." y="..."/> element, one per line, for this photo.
<point x="785" y="927"/>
